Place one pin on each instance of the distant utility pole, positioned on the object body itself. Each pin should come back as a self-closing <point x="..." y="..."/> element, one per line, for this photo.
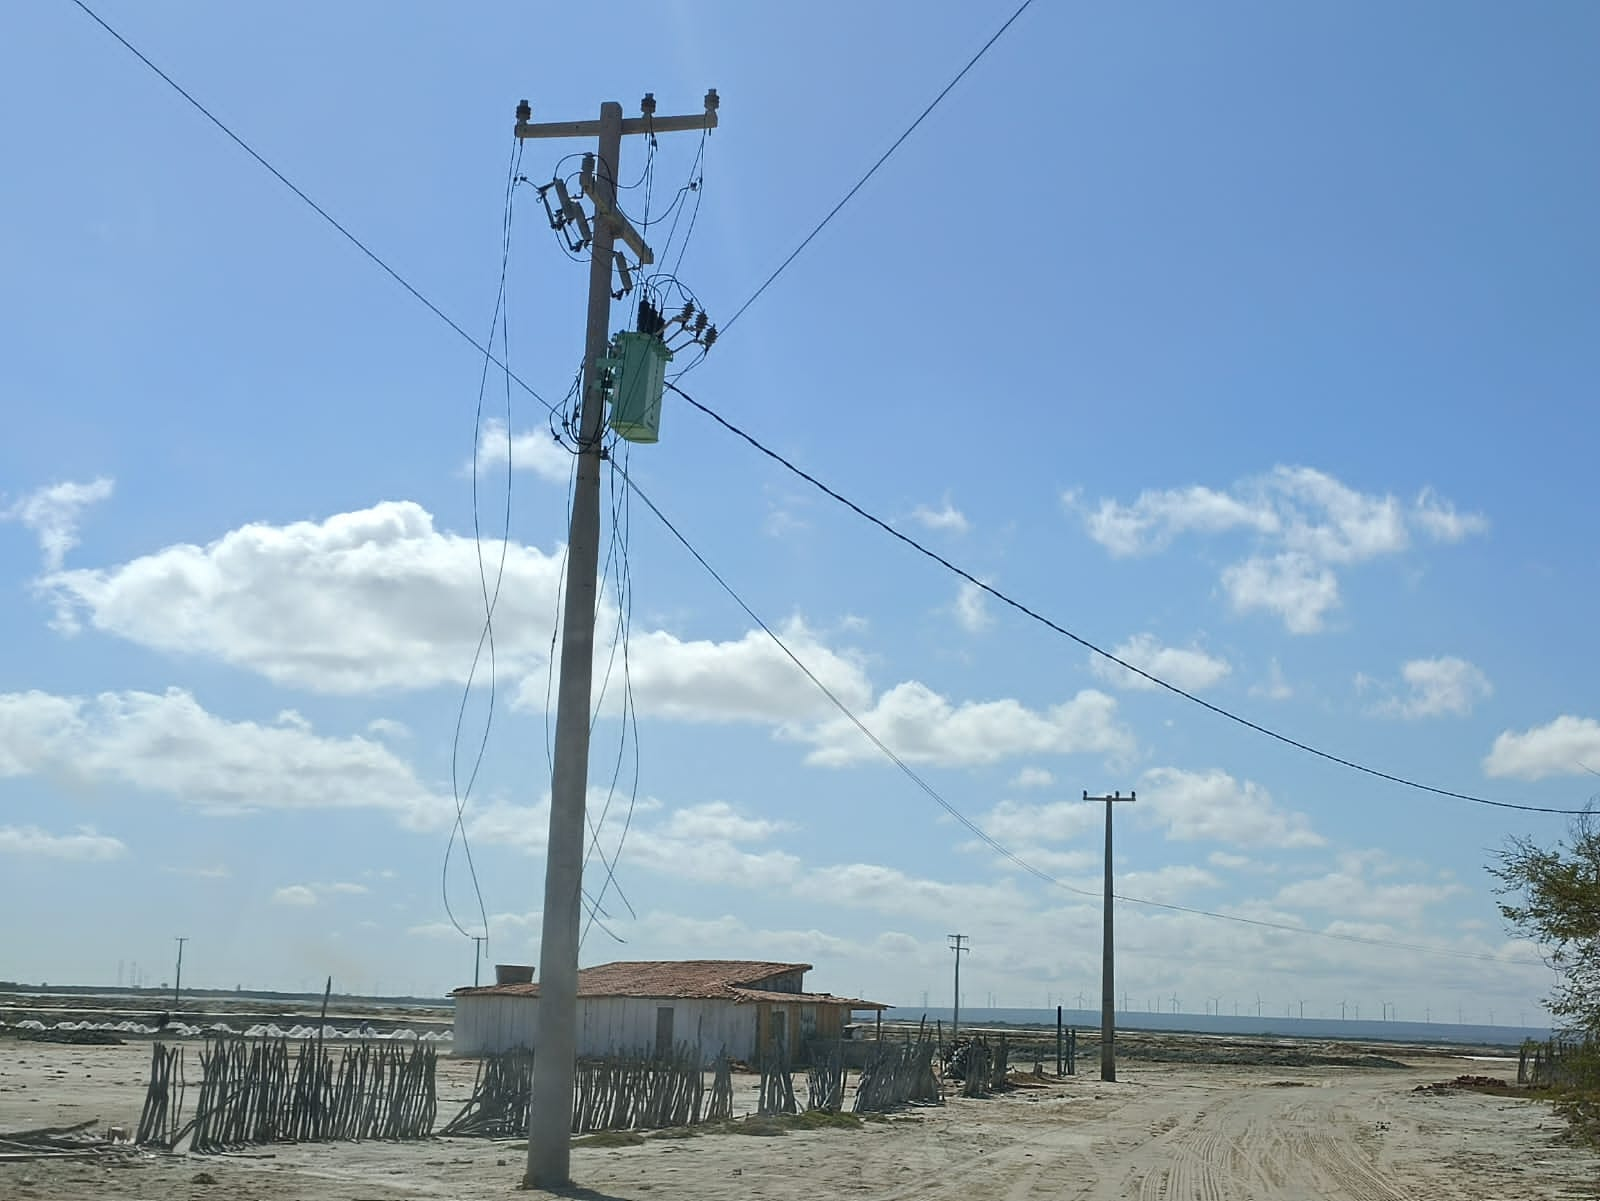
<point x="1108" y="991"/>
<point x="958" y="944"/>
<point x="550" y="1110"/>
<point x="477" y="955"/>
<point x="177" y="979"/>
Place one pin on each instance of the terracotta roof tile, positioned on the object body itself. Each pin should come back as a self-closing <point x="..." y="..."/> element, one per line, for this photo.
<point x="690" y="978"/>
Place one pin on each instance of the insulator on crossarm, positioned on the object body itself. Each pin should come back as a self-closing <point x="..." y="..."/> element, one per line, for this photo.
<point x="688" y="312"/>
<point x="700" y="323"/>
<point x="710" y="339"/>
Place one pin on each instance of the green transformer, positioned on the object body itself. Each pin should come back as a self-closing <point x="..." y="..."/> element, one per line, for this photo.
<point x="637" y="366"/>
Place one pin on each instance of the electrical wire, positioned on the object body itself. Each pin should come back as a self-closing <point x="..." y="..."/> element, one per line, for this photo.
<point x="873" y="170"/>
<point x="315" y="207"/>
<point x="500" y="320"/>
<point x="1050" y="624"/>
<point x="975" y="828"/>
<point x="1002" y="597"/>
<point x="621" y="519"/>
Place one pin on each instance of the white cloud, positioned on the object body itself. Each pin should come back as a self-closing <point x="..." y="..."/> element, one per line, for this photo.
<point x="947" y="518"/>
<point x="1190" y="668"/>
<point x="1290" y="586"/>
<point x="1156" y="517"/>
<point x="1305" y="523"/>
<point x="1213" y="806"/>
<point x="1274" y="687"/>
<point x="1349" y="893"/>
<point x="1031" y="778"/>
<point x="84" y="846"/>
<point x="921" y="726"/>
<point x="385" y="727"/>
<point x="368" y="600"/>
<point x="719" y="820"/>
<point x="312" y="894"/>
<point x="1227" y="861"/>
<point x="890" y="891"/>
<point x="1437" y="687"/>
<point x="216" y="871"/>
<point x="166" y="743"/>
<point x="1012" y="822"/>
<point x="533" y="450"/>
<point x="1566" y="746"/>
<point x="746" y="679"/>
<point x="1440" y="520"/>
<point x="52" y="514"/>
<point x="971" y="608"/>
<point x="699" y="843"/>
<point x="1169" y="883"/>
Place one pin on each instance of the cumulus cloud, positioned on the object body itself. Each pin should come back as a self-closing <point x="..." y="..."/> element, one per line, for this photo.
<point x="1190" y="668"/>
<point x="167" y="744"/>
<point x="1566" y="746"/>
<point x="971" y="608"/>
<point x="84" y="846"/>
<point x="744" y="679"/>
<point x="921" y="726"/>
<point x="1032" y="777"/>
<point x="52" y="513"/>
<point x="1436" y="688"/>
<point x="720" y="820"/>
<point x="1305" y="523"/>
<point x="369" y="600"/>
<point x="533" y="450"/>
<point x="1349" y="892"/>
<point x="702" y="843"/>
<point x="947" y="518"/>
<point x="1291" y="586"/>
<point x="215" y="871"/>
<point x="312" y="894"/>
<point x="1275" y="687"/>
<point x="1215" y="807"/>
<point x="1013" y="822"/>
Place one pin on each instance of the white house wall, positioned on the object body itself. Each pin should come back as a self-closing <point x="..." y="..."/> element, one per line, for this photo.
<point x="607" y="1025"/>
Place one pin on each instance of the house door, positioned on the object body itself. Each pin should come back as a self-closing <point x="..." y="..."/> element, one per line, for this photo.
<point x="780" y="1033"/>
<point x="663" y="1029"/>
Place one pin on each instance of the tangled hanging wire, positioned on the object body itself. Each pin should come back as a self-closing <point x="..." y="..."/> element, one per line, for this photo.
<point x="499" y="326"/>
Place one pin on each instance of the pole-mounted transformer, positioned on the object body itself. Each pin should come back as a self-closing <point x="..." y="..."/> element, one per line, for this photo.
<point x="636" y="376"/>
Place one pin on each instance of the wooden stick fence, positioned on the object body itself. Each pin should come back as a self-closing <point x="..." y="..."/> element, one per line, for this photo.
<point x="719" y="1106"/>
<point x="255" y="1092"/>
<point x="777" y="1085"/>
<point x="826" y="1078"/>
<point x="158" y="1121"/>
<point x="897" y="1074"/>
<point x="615" y="1092"/>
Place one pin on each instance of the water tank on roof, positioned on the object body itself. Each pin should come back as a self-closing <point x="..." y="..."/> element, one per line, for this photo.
<point x="513" y="973"/>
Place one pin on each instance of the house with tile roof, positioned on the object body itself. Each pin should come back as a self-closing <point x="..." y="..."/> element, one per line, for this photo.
<point x="738" y="1006"/>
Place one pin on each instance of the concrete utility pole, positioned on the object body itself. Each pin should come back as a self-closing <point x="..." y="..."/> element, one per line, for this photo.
<point x="550" y="1110"/>
<point x="958" y="944"/>
<point x="1108" y="991"/>
<point x="177" y="979"/>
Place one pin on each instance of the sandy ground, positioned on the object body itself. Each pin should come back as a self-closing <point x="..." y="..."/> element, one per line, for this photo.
<point x="1178" y="1132"/>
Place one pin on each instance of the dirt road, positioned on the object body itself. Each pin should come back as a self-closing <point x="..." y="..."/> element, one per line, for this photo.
<point x="1164" y="1133"/>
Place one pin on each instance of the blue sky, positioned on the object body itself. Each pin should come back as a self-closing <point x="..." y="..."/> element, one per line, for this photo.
<point x="1259" y="343"/>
